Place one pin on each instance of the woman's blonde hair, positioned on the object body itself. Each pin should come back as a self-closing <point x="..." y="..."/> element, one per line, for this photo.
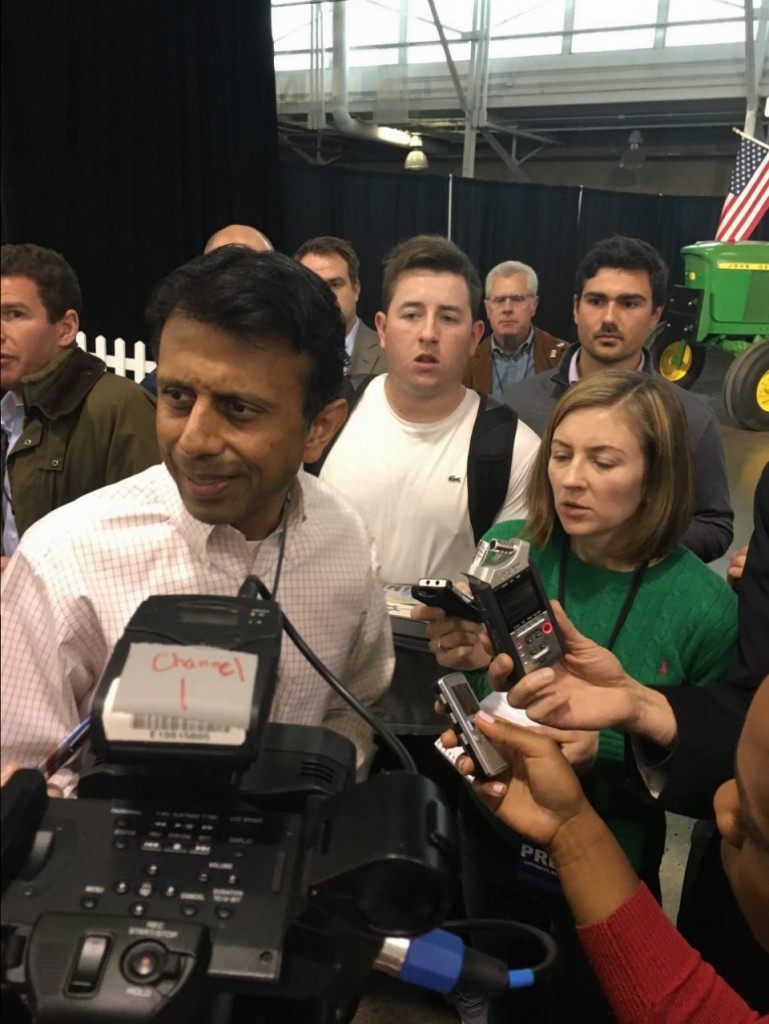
<point x="655" y="414"/>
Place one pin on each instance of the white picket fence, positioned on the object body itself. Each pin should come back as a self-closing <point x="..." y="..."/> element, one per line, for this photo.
<point x="113" y="354"/>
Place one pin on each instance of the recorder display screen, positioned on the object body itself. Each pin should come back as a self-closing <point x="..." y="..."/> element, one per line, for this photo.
<point x="465" y="698"/>
<point x="211" y="616"/>
<point x="518" y="600"/>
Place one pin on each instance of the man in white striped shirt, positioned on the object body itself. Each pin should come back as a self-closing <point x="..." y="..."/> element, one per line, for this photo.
<point x="250" y="359"/>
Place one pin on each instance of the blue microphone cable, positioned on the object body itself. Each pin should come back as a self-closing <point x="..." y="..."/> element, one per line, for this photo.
<point x="440" y="961"/>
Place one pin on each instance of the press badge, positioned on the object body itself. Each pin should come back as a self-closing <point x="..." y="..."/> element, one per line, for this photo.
<point x="534" y="868"/>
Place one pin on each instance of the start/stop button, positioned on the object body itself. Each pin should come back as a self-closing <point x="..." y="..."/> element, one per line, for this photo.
<point x="143" y="963"/>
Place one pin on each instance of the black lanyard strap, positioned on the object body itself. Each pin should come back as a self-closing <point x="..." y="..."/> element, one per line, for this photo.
<point x="635" y="586"/>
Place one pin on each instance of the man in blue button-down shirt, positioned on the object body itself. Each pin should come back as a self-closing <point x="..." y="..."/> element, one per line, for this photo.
<point x="516" y="348"/>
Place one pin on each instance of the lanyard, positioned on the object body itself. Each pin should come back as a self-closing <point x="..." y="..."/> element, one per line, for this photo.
<point x="635" y="585"/>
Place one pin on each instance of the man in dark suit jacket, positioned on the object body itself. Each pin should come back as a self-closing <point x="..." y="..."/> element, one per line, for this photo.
<point x="515" y="349"/>
<point x="334" y="260"/>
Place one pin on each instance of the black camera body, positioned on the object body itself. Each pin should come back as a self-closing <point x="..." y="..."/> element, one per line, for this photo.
<point x="514" y="606"/>
<point x="188" y="868"/>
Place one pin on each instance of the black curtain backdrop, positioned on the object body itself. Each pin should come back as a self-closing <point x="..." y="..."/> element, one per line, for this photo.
<point x="495" y="221"/>
<point x="131" y="132"/>
<point x="549" y="227"/>
<point x="373" y="211"/>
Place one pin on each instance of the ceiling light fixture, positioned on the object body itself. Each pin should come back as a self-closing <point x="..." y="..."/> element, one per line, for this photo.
<point x="416" y="159"/>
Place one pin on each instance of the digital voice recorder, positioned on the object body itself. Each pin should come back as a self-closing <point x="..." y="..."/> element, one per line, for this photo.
<point x="514" y="606"/>
<point x="455" y="694"/>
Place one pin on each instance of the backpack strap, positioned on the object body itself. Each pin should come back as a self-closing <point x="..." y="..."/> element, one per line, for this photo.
<point x="352" y="392"/>
<point x="488" y="462"/>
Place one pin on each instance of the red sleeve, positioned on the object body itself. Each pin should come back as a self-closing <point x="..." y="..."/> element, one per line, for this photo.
<point x="651" y="975"/>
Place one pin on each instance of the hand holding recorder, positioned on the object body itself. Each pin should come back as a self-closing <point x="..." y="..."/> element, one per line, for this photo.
<point x="456" y="698"/>
<point x="455" y="632"/>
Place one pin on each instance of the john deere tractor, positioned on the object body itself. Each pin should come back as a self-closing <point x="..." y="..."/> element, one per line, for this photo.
<point x="724" y="304"/>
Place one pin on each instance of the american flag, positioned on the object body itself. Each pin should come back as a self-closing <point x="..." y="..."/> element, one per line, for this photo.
<point x="748" y="198"/>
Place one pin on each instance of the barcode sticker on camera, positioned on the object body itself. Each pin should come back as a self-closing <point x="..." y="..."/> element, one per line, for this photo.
<point x="181" y="693"/>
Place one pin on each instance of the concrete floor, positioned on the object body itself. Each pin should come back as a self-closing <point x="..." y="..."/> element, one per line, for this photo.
<point x="388" y="1001"/>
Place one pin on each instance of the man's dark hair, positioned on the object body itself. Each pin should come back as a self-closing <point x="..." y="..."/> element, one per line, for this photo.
<point x="624" y="253"/>
<point x="259" y="298"/>
<point x="330" y="245"/>
<point x="429" y="252"/>
<point x="55" y="279"/>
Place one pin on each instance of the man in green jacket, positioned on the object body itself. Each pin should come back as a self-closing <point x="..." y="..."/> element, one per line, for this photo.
<point x="68" y="426"/>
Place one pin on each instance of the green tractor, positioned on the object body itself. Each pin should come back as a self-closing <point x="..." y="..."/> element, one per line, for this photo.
<point x="724" y="303"/>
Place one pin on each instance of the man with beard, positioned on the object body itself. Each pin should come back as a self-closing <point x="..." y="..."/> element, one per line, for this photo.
<point x="619" y="294"/>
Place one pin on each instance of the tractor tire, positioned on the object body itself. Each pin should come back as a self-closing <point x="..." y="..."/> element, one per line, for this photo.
<point x="666" y="355"/>
<point x="746" y="388"/>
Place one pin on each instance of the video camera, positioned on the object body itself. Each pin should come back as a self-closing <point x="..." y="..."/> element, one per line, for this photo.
<point x="211" y="851"/>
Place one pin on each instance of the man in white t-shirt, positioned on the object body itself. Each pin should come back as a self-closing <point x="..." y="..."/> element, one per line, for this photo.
<point x="402" y="457"/>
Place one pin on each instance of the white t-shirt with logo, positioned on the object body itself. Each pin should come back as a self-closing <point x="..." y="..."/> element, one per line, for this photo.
<point x="409" y="483"/>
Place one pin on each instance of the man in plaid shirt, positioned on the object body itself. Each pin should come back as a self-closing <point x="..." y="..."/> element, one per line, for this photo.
<point x="251" y="350"/>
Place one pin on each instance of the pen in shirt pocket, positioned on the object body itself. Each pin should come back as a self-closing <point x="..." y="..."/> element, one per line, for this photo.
<point x="66" y="750"/>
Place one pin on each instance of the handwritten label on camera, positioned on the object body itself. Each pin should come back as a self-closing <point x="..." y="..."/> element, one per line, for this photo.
<point x="182" y="693"/>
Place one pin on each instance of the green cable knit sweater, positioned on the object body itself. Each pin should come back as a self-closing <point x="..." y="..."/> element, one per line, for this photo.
<point x="681" y="630"/>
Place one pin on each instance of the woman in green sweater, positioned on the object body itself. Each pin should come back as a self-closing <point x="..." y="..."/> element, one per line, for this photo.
<point x="608" y="499"/>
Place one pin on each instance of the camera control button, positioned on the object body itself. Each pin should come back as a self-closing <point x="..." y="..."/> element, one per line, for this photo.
<point x="88" y="902"/>
<point x="145" y="889"/>
<point x="144" y="962"/>
<point x="90" y="958"/>
<point x="121" y="887"/>
<point x="137" y="909"/>
<point x="223" y="912"/>
<point x="188" y="909"/>
<point x="169" y="890"/>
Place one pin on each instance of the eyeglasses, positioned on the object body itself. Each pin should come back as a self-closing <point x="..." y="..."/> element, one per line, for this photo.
<point x="517" y="300"/>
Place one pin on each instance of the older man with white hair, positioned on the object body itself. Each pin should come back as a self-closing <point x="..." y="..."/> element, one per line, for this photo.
<point x="515" y="349"/>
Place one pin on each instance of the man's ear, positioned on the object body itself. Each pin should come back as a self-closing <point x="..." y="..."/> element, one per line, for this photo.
<point x="325" y="425"/>
<point x="356" y="290"/>
<point x="657" y="313"/>
<point x="68" y="327"/>
<point x="575" y="308"/>
<point x="380" y="322"/>
<point x="477" y="333"/>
